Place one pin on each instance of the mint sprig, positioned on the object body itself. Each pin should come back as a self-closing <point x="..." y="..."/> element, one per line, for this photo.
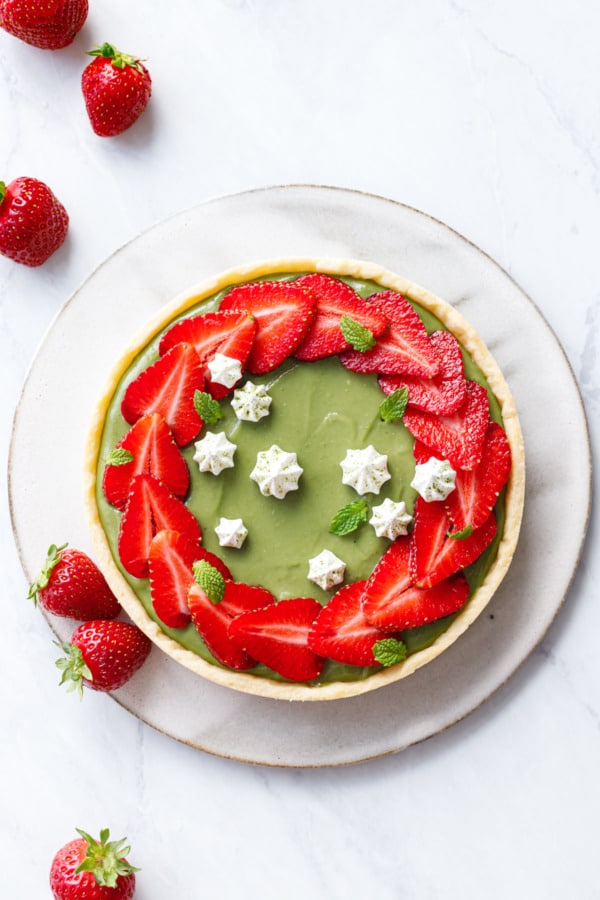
<point x="349" y="517"/>
<point x="358" y="336"/>
<point x="394" y="405"/>
<point x="207" y="408"/>
<point x="210" y="580"/>
<point x="466" y="532"/>
<point x="389" y="651"/>
<point x="119" y="456"/>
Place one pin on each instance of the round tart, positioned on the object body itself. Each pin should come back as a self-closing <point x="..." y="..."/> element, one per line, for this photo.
<point x="305" y="478"/>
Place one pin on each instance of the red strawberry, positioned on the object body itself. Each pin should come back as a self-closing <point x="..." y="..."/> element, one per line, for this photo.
<point x="334" y="299"/>
<point x="277" y="636"/>
<point x="459" y="437"/>
<point x="103" y="655"/>
<point x="392" y="606"/>
<point x="341" y="631"/>
<point x="230" y="333"/>
<point x="167" y="387"/>
<point x="391" y="576"/>
<point x="33" y="223"/>
<point x="476" y="491"/>
<point x="434" y="555"/>
<point x="212" y="619"/>
<point x="49" y="25"/>
<point x="404" y="348"/>
<point x="71" y="585"/>
<point x="150" y="508"/>
<point x="94" y="869"/>
<point x="170" y="563"/>
<point x="443" y="393"/>
<point x="148" y="447"/>
<point x="116" y="89"/>
<point x="283" y="312"/>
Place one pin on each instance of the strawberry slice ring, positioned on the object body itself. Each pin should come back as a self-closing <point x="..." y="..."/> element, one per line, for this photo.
<point x="331" y="342"/>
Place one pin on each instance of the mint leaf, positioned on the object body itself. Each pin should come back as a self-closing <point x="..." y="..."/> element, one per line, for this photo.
<point x="394" y="405"/>
<point x="349" y="518"/>
<point x="466" y="532"/>
<point x="208" y="409"/>
<point x="389" y="651"/>
<point x="210" y="580"/>
<point x="119" y="457"/>
<point x="359" y="337"/>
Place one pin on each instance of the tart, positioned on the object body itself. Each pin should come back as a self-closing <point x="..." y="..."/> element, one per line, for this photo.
<point x="305" y="478"/>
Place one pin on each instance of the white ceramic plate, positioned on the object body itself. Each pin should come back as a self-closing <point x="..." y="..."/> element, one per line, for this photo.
<point x="90" y="333"/>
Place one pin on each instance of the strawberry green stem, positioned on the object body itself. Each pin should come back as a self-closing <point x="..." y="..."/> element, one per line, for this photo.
<point x="2" y="191"/>
<point x="118" y="59"/>
<point x="53" y="557"/>
<point x="104" y="858"/>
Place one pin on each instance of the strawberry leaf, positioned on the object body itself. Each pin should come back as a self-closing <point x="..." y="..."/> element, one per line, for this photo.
<point x="389" y="651"/>
<point x="359" y="337"/>
<point x="394" y="406"/>
<point x="349" y="518"/>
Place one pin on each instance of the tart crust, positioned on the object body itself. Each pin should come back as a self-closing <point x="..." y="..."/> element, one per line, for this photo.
<point x="515" y="489"/>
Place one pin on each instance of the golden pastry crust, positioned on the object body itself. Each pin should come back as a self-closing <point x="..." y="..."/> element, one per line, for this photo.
<point x="475" y="347"/>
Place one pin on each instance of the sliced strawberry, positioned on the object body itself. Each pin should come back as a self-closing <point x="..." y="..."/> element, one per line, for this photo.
<point x="459" y="437"/>
<point x="391" y="576"/>
<point x="404" y="348"/>
<point x="434" y="555"/>
<point x="443" y="393"/>
<point x="170" y="563"/>
<point x="167" y="387"/>
<point x="283" y="311"/>
<point x="150" y="443"/>
<point x="150" y="508"/>
<point x="414" y="606"/>
<point x="212" y="621"/>
<point x="334" y="299"/>
<point x="278" y="637"/>
<point x="341" y="631"/>
<point x="476" y="491"/>
<point x="229" y="333"/>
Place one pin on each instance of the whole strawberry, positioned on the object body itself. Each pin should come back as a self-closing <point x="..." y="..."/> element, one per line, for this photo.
<point x="103" y="655"/>
<point x="116" y="89"/>
<point x="71" y="585"/>
<point x="50" y="25"/>
<point x="96" y="870"/>
<point x="33" y="223"/>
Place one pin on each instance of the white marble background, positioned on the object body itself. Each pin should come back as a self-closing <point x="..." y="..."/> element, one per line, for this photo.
<point x="486" y="116"/>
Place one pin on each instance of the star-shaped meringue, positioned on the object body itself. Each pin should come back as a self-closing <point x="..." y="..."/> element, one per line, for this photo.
<point x="231" y="532"/>
<point x="390" y="519"/>
<point x="225" y="370"/>
<point x="365" y="470"/>
<point x="434" y="480"/>
<point x="326" y="570"/>
<point x="214" y="453"/>
<point x="276" y="472"/>
<point x="251" y="402"/>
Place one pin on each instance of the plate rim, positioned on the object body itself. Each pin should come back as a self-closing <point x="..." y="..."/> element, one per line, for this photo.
<point x="411" y="210"/>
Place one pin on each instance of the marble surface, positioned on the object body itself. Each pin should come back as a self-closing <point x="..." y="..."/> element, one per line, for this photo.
<point x="485" y="117"/>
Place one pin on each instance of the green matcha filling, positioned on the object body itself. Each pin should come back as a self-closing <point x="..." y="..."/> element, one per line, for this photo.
<point x="319" y="410"/>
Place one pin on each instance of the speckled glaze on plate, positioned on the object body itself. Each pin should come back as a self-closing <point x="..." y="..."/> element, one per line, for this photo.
<point x="135" y="282"/>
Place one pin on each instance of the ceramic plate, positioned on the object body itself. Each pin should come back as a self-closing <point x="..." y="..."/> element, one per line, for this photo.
<point x="101" y="318"/>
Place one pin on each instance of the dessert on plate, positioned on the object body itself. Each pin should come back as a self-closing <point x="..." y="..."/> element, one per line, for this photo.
<point x="305" y="478"/>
